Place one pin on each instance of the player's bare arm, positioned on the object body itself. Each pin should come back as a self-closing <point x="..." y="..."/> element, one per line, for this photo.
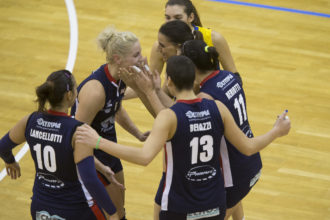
<point x="163" y="128"/>
<point x="249" y="146"/>
<point x="91" y="100"/>
<point x="225" y="57"/>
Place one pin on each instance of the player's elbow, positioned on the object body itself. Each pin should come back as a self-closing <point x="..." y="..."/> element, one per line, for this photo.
<point x="144" y="159"/>
<point x="248" y="153"/>
<point x="247" y="150"/>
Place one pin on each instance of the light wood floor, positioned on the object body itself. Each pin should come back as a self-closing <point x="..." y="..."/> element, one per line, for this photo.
<point x="284" y="59"/>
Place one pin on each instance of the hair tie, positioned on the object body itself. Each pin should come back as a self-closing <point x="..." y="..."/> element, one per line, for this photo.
<point x="67" y="75"/>
<point x="206" y="49"/>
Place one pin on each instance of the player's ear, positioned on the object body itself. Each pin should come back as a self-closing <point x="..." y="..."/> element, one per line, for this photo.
<point x="169" y="82"/>
<point x="178" y="50"/>
<point x="117" y="59"/>
<point x="191" y="17"/>
<point x="70" y="96"/>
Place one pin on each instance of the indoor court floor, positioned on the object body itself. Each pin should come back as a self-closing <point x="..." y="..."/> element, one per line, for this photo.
<point x="281" y="49"/>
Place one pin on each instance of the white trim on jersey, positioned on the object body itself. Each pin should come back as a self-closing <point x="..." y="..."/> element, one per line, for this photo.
<point x="89" y="198"/>
<point x="169" y="176"/>
<point x="228" y="178"/>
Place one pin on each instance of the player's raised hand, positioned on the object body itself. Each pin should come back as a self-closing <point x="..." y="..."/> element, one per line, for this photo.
<point x="128" y="75"/>
<point x="282" y="124"/>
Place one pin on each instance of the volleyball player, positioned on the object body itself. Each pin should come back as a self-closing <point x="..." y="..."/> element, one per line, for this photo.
<point x="99" y="102"/>
<point x="241" y="172"/>
<point x="64" y="170"/>
<point x="185" y="11"/>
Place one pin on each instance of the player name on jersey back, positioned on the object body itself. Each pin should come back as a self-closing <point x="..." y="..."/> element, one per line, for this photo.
<point x="231" y="92"/>
<point x="46" y="136"/>
<point x="200" y="126"/>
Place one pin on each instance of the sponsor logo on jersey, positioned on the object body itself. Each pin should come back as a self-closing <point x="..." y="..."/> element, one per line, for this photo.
<point x="224" y="81"/>
<point x="50" y="181"/>
<point x="44" y="215"/>
<point x="108" y="107"/>
<point x="201" y="173"/>
<point x="108" y="124"/>
<point x="201" y="114"/>
<point x="255" y="179"/>
<point x="203" y="214"/>
<point x="48" y="124"/>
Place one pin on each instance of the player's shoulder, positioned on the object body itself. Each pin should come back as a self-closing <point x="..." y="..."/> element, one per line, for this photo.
<point x="217" y="37"/>
<point x="93" y="88"/>
<point x="204" y="95"/>
<point x="92" y="95"/>
<point x="166" y="113"/>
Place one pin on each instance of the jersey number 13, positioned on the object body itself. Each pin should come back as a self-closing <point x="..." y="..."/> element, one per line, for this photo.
<point x="206" y="155"/>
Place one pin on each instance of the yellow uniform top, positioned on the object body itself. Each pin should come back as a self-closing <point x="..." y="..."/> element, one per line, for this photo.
<point x="206" y="32"/>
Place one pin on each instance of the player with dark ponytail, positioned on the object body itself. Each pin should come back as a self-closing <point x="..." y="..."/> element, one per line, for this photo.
<point x="54" y="89"/>
<point x="64" y="170"/>
<point x="241" y="172"/>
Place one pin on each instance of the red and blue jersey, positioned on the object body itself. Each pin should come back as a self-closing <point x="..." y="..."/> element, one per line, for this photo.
<point x="193" y="180"/>
<point x="104" y="121"/>
<point x="225" y="87"/>
<point x="57" y="182"/>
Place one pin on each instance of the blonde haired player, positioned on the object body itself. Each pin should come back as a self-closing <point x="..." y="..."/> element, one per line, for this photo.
<point x="99" y="102"/>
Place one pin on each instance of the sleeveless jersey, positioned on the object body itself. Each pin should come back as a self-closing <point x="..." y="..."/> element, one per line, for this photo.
<point x="194" y="181"/>
<point x="104" y="121"/>
<point x="225" y="87"/>
<point x="56" y="182"/>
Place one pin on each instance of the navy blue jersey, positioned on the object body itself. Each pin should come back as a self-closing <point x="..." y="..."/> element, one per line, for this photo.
<point x="56" y="184"/>
<point x="104" y="121"/>
<point x="226" y="87"/>
<point x="194" y="180"/>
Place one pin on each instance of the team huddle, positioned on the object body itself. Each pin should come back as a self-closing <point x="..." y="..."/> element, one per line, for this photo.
<point x="211" y="158"/>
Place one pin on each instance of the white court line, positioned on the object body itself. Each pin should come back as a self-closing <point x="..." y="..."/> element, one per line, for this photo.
<point x="73" y="34"/>
<point x="69" y="66"/>
<point x="304" y="174"/>
<point x="313" y="134"/>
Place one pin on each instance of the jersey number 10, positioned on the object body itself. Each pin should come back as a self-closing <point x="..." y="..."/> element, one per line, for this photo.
<point x="49" y="160"/>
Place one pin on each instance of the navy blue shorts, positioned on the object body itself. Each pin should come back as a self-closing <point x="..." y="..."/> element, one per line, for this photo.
<point x="220" y="215"/>
<point x="237" y="192"/>
<point x="159" y="194"/>
<point x="40" y="211"/>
